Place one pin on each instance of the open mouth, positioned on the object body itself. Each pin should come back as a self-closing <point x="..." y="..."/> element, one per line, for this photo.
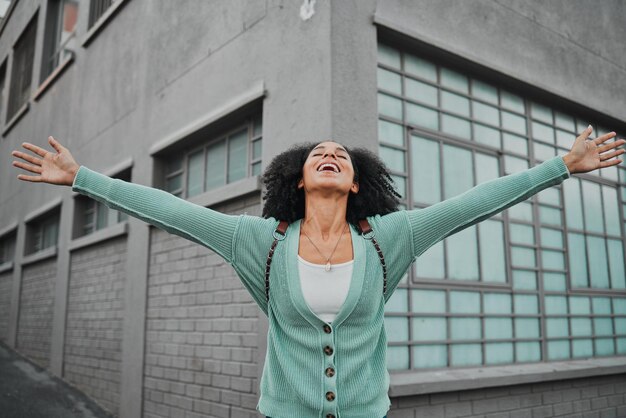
<point x="329" y="167"/>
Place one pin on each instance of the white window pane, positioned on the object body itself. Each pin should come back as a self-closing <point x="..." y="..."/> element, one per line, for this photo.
<point x="422" y="116"/>
<point x="237" y="156"/>
<point x="463" y="255"/>
<point x="195" y="173"/>
<point x="426" y="172"/>
<point x="420" y="67"/>
<point x="216" y="165"/>
<point x="389" y="80"/>
<point x="420" y="91"/>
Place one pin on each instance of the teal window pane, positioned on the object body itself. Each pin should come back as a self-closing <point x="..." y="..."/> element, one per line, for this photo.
<point x="603" y="326"/>
<point x="464" y="302"/>
<point x="527" y="352"/>
<point x="526" y="328"/>
<point x="511" y="101"/>
<point x="485" y="91"/>
<point x="422" y="116"/>
<point x="454" y="80"/>
<point x="462" y="250"/>
<point x="554" y="282"/>
<point x="619" y="306"/>
<point x="543" y="152"/>
<point x="257" y="149"/>
<point x="491" y="235"/>
<point x="498" y="328"/>
<point x="558" y="350"/>
<point x="604" y="347"/>
<point x="455" y="103"/>
<point x="425" y="329"/>
<point x="543" y="132"/>
<point x="425" y="170"/>
<point x="256" y="169"/>
<point x="455" y="126"/>
<point x="513" y="122"/>
<point x="429" y="356"/>
<point x="400" y="184"/>
<point x="515" y="143"/>
<point x="398" y="302"/>
<point x="498" y="353"/>
<point x="598" y="270"/>
<point x="397" y="358"/>
<point x="215" y="165"/>
<point x="525" y="304"/>
<point x="581" y="326"/>
<point x="582" y="348"/>
<point x="393" y="158"/>
<point x="556" y="327"/>
<point x="50" y="234"/>
<point x="577" y="259"/>
<point x="420" y="67"/>
<point x="621" y="345"/>
<point x="550" y="216"/>
<point x="390" y="106"/>
<point x="174" y="183"/>
<point x="102" y="216"/>
<point x="524" y="280"/>
<point x="237" y="156"/>
<point x="497" y="303"/>
<point x="601" y="305"/>
<point x="466" y="355"/>
<point x="573" y="203"/>
<point x="485" y="113"/>
<point x="486" y="135"/>
<point x="523" y="257"/>
<point x="430" y="265"/>
<point x="580" y="305"/>
<point x="521" y="212"/>
<point x="514" y="164"/>
<point x="522" y="234"/>
<point x="457" y="170"/>
<point x="390" y="81"/>
<point x="564" y="139"/>
<point x="556" y="305"/>
<point x="551" y="237"/>
<point x="487" y="168"/>
<point x="397" y="329"/>
<point x="616" y="264"/>
<point x="388" y="56"/>
<point x="620" y="326"/>
<point x="195" y="173"/>
<point x="611" y="209"/>
<point x="416" y="90"/>
<point x="541" y="112"/>
<point x="428" y="301"/>
<point x="553" y="260"/>
<point x="592" y="202"/>
<point x="564" y="121"/>
<point x="550" y="195"/>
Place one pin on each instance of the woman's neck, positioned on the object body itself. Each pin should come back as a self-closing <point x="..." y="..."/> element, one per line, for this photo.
<point x="325" y="216"/>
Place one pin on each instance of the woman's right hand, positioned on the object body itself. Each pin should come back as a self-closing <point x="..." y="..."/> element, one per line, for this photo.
<point x="59" y="168"/>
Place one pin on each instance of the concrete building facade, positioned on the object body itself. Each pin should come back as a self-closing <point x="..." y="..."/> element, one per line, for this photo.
<point x="522" y="315"/>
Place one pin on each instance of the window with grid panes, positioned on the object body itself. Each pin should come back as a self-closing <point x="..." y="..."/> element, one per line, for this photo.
<point x="43" y="232"/>
<point x="97" y="8"/>
<point x="224" y="159"/>
<point x="22" y="68"/>
<point x="60" y="39"/>
<point x="499" y="292"/>
<point x="7" y="248"/>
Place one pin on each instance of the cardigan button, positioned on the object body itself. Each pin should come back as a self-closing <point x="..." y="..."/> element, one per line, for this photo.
<point x="330" y="416"/>
<point x="330" y="396"/>
<point x="328" y="350"/>
<point x="327" y="329"/>
<point x="330" y="372"/>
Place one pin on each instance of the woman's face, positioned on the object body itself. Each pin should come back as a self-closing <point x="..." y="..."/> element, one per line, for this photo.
<point x="328" y="167"/>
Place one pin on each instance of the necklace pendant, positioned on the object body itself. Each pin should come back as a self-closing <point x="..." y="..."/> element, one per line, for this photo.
<point x="327" y="268"/>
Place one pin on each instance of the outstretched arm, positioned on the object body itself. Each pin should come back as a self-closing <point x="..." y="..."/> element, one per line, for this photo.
<point x="178" y="216"/>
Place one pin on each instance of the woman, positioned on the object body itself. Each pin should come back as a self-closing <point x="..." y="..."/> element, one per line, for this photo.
<point x="326" y="347"/>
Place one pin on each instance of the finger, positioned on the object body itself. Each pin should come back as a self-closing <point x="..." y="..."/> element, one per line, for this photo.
<point x="611" y="145"/>
<point x="611" y="154"/>
<point x="604" y="137"/>
<point x="28" y="167"/>
<point x="34" y="179"/>
<point x="27" y="157"/>
<point x="55" y="144"/>
<point x="585" y="134"/>
<point x="34" y="148"/>
<point x="610" y="163"/>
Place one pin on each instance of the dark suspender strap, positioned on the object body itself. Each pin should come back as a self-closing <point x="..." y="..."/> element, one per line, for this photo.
<point x="365" y="230"/>
<point x="280" y="229"/>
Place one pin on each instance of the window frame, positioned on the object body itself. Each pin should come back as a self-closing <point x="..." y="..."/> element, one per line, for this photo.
<point x="22" y="70"/>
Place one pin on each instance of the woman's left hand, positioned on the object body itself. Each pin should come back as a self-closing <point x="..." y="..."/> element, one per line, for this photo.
<point x="590" y="155"/>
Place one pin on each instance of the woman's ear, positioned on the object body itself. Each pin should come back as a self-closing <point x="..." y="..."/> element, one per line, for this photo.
<point x="355" y="188"/>
<point x="300" y="183"/>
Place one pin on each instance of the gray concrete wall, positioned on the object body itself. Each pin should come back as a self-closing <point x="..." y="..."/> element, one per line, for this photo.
<point x="6" y="282"/>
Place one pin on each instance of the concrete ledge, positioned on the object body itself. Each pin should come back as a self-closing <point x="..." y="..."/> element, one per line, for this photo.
<point x="18" y="115"/>
<point x="228" y="192"/>
<point x="40" y="255"/>
<point x="99" y="236"/>
<point x="6" y="266"/>
<point x="422" y="382"/>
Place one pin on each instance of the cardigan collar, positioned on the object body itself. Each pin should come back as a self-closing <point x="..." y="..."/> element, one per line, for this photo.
<point x="293" y="277"/>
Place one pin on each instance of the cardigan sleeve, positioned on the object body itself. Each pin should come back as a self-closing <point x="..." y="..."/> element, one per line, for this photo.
<point x="436" y="222"/>
<point x="204" y="226"/>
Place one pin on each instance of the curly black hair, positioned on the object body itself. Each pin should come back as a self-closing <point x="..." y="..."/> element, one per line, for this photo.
<point x="284" y="201"/>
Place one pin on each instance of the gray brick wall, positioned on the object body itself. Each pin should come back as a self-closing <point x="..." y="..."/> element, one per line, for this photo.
<point x="201" y="341"/>
<point x="6" y="285"/>
<point x="93" y="337"/>
<point x="36" y="304"/>
<point x="594" y="397"/>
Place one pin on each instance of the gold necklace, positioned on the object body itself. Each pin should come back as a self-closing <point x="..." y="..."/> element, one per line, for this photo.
<point x="327" y="267"/>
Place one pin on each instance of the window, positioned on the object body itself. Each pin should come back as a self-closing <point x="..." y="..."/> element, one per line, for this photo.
<point x="3" y="73"/>
<point x="97" y="9"/>
<point x="43" y="232"/>
<point x="22" y="68"/>
<point x="7" y="248"/>
<point x="218" y="161"/>
<point x="60" y="40"/>
<point x="93" y="215"/>
<point x="501" y="291"/>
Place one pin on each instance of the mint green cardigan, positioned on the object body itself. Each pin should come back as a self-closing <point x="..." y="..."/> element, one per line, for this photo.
<point x="299" y="346"/>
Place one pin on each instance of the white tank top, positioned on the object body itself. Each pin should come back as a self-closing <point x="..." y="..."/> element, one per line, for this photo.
<point x="316" y="282"/>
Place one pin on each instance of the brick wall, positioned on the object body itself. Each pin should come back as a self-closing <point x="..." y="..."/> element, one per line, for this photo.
<point x="6" y="285"/>
<point x="36" y="305"/>
<point x="594" y="397"/>
<point x="201" y="341"/>
<point x="93" y="336"/>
